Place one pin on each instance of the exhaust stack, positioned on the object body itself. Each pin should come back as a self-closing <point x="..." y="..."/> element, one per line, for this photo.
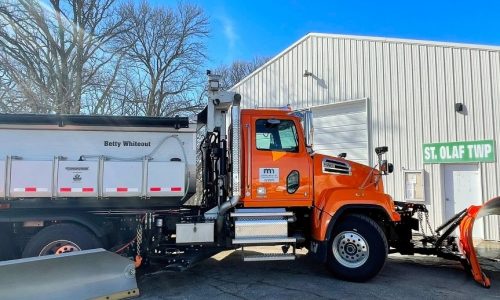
<point x="236" y="159"/>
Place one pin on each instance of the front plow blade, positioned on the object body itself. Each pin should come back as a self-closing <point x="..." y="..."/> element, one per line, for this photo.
<point x="88" y="274"/>
<point x="492" y="207"/>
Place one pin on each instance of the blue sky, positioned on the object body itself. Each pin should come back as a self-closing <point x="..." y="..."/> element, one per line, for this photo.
<point x="245" y="29"/>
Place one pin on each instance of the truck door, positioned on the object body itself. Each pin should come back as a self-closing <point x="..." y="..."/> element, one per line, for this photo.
<point x="280" y="165"/>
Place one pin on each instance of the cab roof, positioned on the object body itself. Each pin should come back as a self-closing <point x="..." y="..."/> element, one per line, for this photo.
<point x="266" y="112"/>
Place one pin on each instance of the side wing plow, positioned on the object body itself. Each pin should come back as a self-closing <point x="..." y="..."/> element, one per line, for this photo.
<point x="88" y="274"/>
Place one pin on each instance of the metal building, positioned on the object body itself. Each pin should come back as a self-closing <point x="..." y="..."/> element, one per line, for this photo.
<point x="436" y="105"/>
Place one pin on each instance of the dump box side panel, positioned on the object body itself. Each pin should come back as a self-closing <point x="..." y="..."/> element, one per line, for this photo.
<point x="116" y="182"/>
<point x="77" y="178"/>
<point x="31" y="179"/>
<point x="87" y="162"/>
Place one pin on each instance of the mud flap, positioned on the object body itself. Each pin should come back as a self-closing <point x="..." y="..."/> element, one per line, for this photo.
<point x="492" y="207"/>
<point x="88" y="274"/>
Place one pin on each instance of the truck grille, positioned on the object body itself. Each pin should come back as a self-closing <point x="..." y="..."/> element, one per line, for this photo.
<point x="331" y="166"/>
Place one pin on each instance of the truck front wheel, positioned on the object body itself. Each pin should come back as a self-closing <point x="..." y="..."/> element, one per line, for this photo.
<point x="60" y="238"/>
<point x="357" y="249"/>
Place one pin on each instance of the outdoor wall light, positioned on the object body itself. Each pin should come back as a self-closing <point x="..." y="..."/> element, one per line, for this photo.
<point x="307" y="73"/>
<point x="459" y="107"/>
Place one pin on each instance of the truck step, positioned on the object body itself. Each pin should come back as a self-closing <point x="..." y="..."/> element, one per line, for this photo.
<point x="264" y="240"/>
<point x="261" y="212"/>
<point x="269" y="257"/>
<point x="253" y="228"/>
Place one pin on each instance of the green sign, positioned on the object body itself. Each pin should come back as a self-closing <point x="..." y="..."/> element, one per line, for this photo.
<point x="459" y="152"/>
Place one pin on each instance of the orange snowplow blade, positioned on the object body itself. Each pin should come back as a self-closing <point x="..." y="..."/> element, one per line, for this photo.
<point x="492" y="207"/>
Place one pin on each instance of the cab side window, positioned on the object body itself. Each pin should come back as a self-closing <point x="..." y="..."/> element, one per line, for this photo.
<point x="276" y="135"/>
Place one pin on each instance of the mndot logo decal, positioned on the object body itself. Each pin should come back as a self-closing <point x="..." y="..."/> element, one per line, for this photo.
<point x="459" y="152"/>
<point x="269" y="174"/>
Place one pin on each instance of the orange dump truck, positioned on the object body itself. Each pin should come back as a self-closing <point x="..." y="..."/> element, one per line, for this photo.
<point x="122" y="184"/>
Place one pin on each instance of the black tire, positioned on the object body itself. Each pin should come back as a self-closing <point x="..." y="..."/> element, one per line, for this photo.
<point x="361" y="249"/>
<point x="59" y="235"/>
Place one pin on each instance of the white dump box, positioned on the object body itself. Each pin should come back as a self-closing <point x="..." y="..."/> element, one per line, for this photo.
<point x="96" y="157"/>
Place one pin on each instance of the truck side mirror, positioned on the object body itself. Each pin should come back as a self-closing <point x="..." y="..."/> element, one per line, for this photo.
<point x="383" y="166"/>
<point x="308" y="128"/>
<point x="386" y="167"/>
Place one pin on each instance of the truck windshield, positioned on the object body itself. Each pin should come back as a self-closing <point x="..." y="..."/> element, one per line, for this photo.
<point x="276" y="135"/>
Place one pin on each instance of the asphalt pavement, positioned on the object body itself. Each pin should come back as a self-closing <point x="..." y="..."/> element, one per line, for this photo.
<point x="225" y="276"/>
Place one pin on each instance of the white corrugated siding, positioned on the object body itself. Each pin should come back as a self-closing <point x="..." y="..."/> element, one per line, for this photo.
<point x="411" y="86"/>
<point x="342" y="127"/>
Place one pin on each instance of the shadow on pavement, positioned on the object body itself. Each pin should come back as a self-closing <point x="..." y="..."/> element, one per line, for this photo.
<point x="225" y="276"/>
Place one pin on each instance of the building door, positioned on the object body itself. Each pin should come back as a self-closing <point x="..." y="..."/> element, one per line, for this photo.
<point x="342" y="127"/>
<point x="463" y="189"/>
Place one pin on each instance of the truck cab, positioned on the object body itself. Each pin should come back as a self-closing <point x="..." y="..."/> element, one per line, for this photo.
<point x="282" y="170"/>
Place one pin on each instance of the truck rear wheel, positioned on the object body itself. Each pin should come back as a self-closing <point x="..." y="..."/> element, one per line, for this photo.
<point x="61" y="238"/>
<point x="357" y="249"/>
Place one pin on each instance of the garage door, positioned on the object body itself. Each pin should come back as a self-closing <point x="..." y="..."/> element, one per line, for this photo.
<point x="342" y="127"/>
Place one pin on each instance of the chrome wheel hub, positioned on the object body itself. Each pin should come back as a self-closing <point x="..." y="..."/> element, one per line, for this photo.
<point x="58" y="247"/>
<point x="350" y="249"/>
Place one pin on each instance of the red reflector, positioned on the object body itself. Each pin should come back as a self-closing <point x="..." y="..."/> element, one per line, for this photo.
<point x="87" y="189"/>
<point x="176" y="189"/>
<point x="155" y="189"/>
<point x="30" y="189"/>
<point x="122" y="189"/>
<point x="65" y="189"/>
<point x="4" y="205"/>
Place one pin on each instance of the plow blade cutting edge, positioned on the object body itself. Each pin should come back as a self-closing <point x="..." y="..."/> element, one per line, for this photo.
<point x="492" y="207"/>
<point x="88" y="274"/>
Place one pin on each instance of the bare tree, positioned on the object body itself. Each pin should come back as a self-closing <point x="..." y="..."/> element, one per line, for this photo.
<point x="8" y="91"/>
<point x="57" y="53"/>
<point x="237" y="70"/>
<point x="165" y="51"/>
